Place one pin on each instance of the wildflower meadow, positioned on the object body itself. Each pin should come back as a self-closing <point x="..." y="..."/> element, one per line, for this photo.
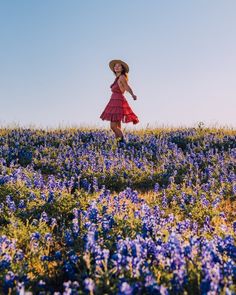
<point x="81" y="215"/>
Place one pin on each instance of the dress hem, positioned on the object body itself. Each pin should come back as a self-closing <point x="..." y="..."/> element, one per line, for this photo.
<point x="117" y="118"/>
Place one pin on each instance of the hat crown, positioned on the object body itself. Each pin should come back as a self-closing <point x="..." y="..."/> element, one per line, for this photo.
<point x="114" y="61"/>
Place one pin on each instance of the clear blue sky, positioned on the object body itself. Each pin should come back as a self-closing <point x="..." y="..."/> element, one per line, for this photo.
<point x="54" y="60"/>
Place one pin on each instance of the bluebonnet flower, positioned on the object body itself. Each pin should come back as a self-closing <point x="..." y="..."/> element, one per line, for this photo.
<point x="75" y="227"/>
<point x="106" y="254"/>
<point x="5" y="261"/>
<point x="20" y="287"/>
<point x="211" y="278"/>
<point x="216" y="202"/>
<point x="151" y="284"/>
<point x="125" y="289"/>
<point x="19" y="255"/>
<point x="48" y="237"/>
<point x="84" y="183"/>
<point x="43" y="197"/>
<point x="93" y="212"/>
<point x="105" y="226"/>
<point x="234" y="188"/>
<point x="44" y="217"/>
<point x="95" y="184"/>
<point x="89" y="284"/>
<point x="10" y="203"/>
<point x="58" y="255"/>
<point x="35" y="236"/>
<point x="91" y="237"/>
<point x="70" y="287"/>
<point x="74" y="258"/>
<point x="50" y="197"/>
<point x="207" y="220"/>
<point x="1" y="207"/>
<point x="222" y="215"/>
<point x="21" y="204"/>
<point x="53" y="221"/>
<point x="32" y="196"/>
<point x="76" y="212"/>
<point x="75" y="285"/>
<point x="107" y="164"/>
<point x="164" y="200"/>
<point x="46" y="258"/>
<point x="204" y="201"/>
<point x="125" y="175"/>
<point x="8" y="281"/>
<point x="230" y="269"/>
<point x="42" y="283"/>
<point x="68" y="238"/>
<point x="67" y="288"/>
<point x="136" y="214"/>
<point x="234" y="226"/>
<point x="163" y="290"/>
<point x="3" y="179"/>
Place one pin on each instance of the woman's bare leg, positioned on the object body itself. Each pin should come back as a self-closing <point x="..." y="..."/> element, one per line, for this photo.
<point x="119" y="127"/>
<point x="116" y="129"/>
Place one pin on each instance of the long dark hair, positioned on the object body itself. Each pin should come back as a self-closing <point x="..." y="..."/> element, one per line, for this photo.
<point x="123" y="72"/>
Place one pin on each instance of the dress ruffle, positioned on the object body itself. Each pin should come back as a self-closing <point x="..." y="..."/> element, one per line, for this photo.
<point x="115" y="113"/>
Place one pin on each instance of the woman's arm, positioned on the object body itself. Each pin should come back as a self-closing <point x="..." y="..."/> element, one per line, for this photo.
<point x="126" y="86"/>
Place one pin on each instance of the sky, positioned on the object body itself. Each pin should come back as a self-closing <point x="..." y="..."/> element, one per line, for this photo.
<point x="54" y="61"/>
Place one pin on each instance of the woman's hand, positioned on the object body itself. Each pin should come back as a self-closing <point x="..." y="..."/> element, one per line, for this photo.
<point x="134" y="97"/>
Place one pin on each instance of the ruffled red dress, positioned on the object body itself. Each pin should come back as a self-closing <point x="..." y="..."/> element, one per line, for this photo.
<point x="118" y="108"/>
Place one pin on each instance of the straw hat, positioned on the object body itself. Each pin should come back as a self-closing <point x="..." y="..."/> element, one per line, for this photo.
<point x="114" y="61"/>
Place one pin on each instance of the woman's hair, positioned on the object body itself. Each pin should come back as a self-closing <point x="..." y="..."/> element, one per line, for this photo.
<point x="123" y="72"/>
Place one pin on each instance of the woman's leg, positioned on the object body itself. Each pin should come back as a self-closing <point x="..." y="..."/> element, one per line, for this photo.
<point x="116" y="129"/>
<point x="119" y="127"/>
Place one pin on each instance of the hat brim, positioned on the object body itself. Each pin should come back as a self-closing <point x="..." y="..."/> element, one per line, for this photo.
<point x="114" y="61"/>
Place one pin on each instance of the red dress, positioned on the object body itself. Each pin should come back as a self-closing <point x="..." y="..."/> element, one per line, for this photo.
<point x="118" y="108"/>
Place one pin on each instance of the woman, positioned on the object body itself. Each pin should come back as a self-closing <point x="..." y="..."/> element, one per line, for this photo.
<point x="118" y="109"/>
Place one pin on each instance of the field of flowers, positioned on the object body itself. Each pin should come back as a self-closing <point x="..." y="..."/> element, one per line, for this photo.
<point x="80" y="215"/>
